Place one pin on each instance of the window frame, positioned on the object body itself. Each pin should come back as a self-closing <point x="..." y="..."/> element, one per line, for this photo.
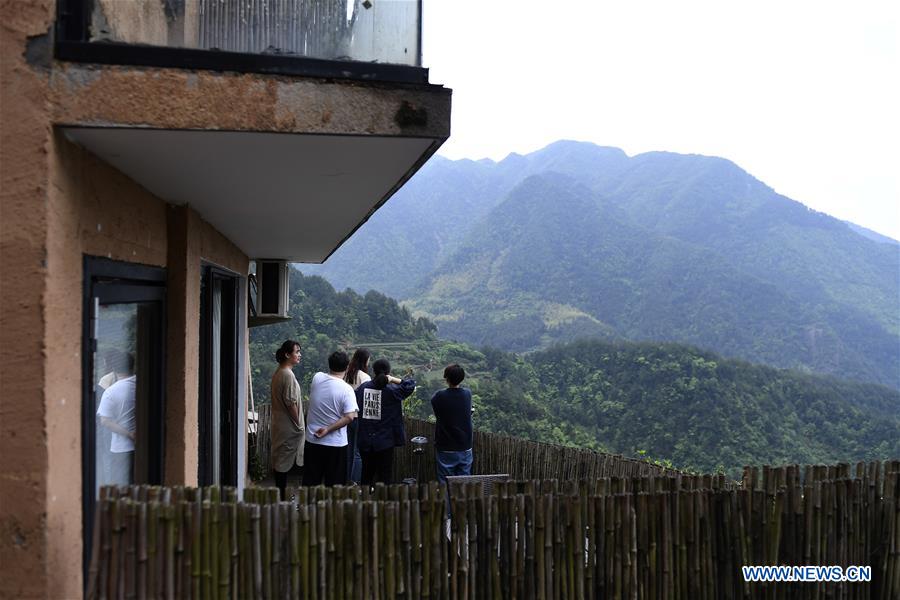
<point x="119" y="282"/>
<point x="230" y="381"/>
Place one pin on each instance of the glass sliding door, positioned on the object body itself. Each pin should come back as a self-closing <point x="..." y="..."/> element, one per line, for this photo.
<point x="218" y="377"/>
<point x="123" y="379"/>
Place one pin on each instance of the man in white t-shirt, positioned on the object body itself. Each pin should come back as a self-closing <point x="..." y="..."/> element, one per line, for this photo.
<point x="116" y="412"/>
<point x="332" y="406"/>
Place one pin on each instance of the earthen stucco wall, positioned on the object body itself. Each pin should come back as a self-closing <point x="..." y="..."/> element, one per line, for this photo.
<point x="93" y="209"/>
<point x="24" y="141"/>
<point x="191" y="241"/>
<point x="95" y="95"/>
<point x="96" y="210"/>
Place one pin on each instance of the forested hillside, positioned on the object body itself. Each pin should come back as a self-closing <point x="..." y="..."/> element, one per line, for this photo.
<point x="656" y="247"/>
<point x="665" y="401"/>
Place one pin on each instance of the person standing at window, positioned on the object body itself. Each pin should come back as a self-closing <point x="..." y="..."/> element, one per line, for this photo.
<point x="357" y="374"/>
<point x="453" y="427"/>
<point x="287" y="416"/>
<point x="332" y="406"/>
<point x="381" y="423"/>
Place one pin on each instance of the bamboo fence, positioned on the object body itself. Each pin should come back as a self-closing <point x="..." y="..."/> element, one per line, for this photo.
<point x="521" y="459"/>
<point x="671" y="536"/>
<point x="493" y="453"/>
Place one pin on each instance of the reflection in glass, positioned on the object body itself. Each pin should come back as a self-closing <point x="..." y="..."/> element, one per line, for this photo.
<point x="356" y="30"/>
<point x="119" y="402"/>
<point x="216" y="383"/>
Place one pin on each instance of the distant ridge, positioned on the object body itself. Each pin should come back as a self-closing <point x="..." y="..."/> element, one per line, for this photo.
<point x="579" y="240"/>
<point x="872" y="235"/>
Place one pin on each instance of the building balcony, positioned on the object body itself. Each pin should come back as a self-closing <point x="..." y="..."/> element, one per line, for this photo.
<point x="284" y="123"/>
<point x="356" y="39"/>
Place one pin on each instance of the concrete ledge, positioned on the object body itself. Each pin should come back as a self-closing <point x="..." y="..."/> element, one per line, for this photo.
<point x="113" y="96"/>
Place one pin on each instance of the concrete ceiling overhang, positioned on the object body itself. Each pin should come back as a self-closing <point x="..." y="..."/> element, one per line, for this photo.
<point x="286" y="196"/>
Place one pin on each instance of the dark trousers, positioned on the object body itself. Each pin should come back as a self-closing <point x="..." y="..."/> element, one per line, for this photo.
<point x="378" y="466"/>
<point x="324" y="464"/>
<point x="281" y="479"/>
<point x="354" y="462"/>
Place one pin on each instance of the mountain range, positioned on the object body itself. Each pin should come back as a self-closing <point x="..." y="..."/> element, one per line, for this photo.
<point x="581" y="241"/>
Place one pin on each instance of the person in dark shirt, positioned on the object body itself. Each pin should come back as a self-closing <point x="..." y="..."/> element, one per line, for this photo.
<point x="381" y="421"/>
<point x="453" y="429"/>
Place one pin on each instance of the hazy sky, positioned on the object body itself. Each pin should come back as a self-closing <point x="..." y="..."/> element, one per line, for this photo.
<point x="803" y="95"/>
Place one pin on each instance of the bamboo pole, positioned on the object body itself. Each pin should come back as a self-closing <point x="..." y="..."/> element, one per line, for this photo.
<point x="273" y="564"/>
<point x="540" y="547"/>
<point x="417" y="590"/>
<point x="256" y="527"/>
<point x="130" y="548"/>
<point x="374" y="519"/>
<point x="116" y="580"/>
<point x="306" y="589"/>
<point x="265" y="528"/>
<point x="390" y="551"/>
<point x="322" y="546"/>
<point x="211" y="583"/>
<point x="171" y="542"/>
<point x="143" y="554"/>
<point x="224" y="549"/>
<point x="295" y="552"/>
<point x="245" y="552"/>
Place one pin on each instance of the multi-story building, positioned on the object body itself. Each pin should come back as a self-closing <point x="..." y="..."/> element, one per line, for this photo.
<point x="152" y="152"/>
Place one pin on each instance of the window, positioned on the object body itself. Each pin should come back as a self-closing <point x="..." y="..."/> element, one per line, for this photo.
<point x="123" y="373"/>
<point x="219" y="360"/>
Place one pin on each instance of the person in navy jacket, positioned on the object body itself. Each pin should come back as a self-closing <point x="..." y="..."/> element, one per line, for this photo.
<point x="381" y="421"/>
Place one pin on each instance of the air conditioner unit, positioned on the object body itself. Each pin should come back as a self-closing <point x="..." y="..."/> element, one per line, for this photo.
<point x="272" y="277"/>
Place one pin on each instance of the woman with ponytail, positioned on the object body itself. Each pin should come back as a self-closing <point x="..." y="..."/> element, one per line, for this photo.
<point x="381" y="421"/>
<point x="287" y="416"/>
<point x="356" y="375"/>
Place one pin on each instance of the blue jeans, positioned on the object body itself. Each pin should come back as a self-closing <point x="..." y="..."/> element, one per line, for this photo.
<point x="453" y="462"/>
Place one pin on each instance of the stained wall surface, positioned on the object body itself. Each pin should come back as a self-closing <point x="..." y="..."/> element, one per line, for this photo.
<point x="92" y="210"/>
<point x="24" y="139"/>
<point x="192" y="242"/>
<point x="92" y="95"/>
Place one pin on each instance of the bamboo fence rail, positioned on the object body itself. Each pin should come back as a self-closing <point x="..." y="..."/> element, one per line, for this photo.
<point x="521" y="459"/>
<point x="670" y="536"/>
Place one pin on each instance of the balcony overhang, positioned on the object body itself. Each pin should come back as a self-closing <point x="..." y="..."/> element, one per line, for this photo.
<point x="285" y="167"/>
<point x="274" y="195"/>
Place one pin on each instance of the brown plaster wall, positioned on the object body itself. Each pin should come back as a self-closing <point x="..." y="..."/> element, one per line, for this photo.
<point x="191" y="240"/>
<point x="24" y="136"/>
<point x="243" y="102"/>
<point x="93" y="209"/>
<point x="109" y="214"/>
<point x="96" y="210"/>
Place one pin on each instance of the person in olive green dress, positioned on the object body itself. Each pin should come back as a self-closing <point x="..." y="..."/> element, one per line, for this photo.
<point x="288" y="424"/>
